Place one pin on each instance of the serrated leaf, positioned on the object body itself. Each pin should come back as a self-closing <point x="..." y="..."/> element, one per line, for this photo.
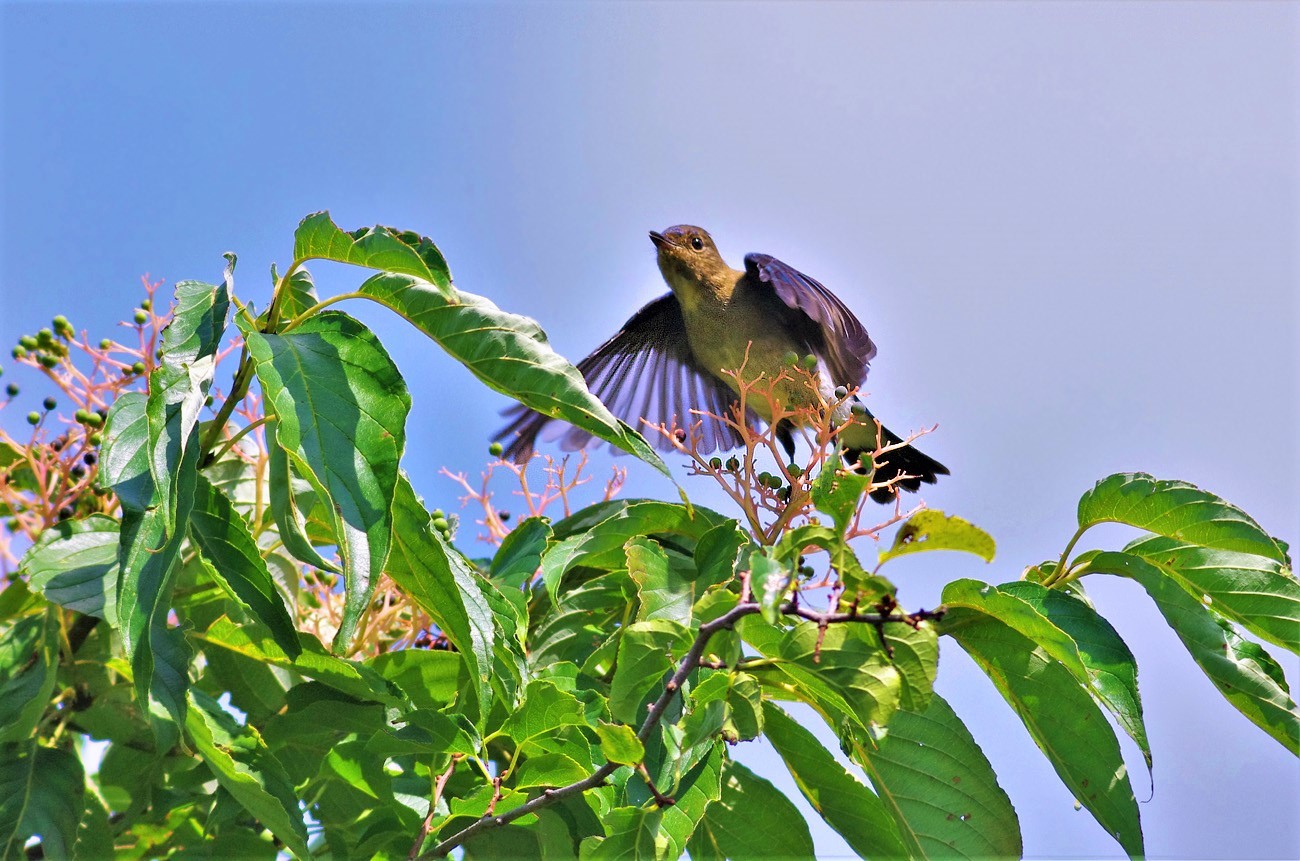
<point x="150" y="460"/>
<point x="1060" y="715"/>
<point x="341" y="406"/>
<point x="223" y="537"/>
<point x="1111" y="667"/>
<point x="769" y="581"/>
<point x="255" y="643"/>
<point x="508" y="353"/>
<point x="429" y="678"/>
<point x="443" y="583"/>
<point x="933" y="530"/>
<point x="520" y="553"/>
<point x="751" y="819"/>
<point x="1178" y="510"/>
<point x="629" y="836"/>
<point x="647" y="651"/>
<point x="618" y="743"/>
<point x="939" y="787"/>
<point x="744" y="708"/>
<point x="699" y="788"/>
<point x="1242" y="671"/>
<point x="846" y="805"/>
<point x="544" y="710"/>
<point x="1262" y="595"/>
<point x="41" y="793"/>
<point x="378" y="247"/>
<point x="74" y="564"/>
<point x="665" y="590"/>
<point x="242" y="764"/>
<point x="29" y="658"/>
<point x="285" y="511"/>
<point x="716" y="554"/>
<point x="837" y="491"/>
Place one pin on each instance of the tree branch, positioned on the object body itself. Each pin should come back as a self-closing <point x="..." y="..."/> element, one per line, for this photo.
<point x="688" y="664"/>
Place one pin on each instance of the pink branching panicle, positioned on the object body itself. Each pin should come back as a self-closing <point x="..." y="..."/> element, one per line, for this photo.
<point x="774" y="503"/>
<point x="559" y="483"/>
<point x="48" y="474"/>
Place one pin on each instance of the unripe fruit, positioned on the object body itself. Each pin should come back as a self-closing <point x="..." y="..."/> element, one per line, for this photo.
<point x="49" y="361"/>
<point x="146" y="304"/>
<point x="791" y="358"/>
<point x="50" y="403"/>
<point x="106" y="344"/>
<point x="45" y="336"/>
<point x="440" y="524"/>
<point x="141" y="317"/>
<point x="18" y="352"/>
<point x="27" y="341"/>
<point x="795" y="470"/>
<point x="715" y="463"/>
<point x="138" y="368"/>
<point x="33" y="418"/>
<point x="12" y="390"/>
<point x="495" y="449"/>
<point x="96" y="438"/>
<point x="841" y="392"/>
<point x="61" y="322"/>
<point x="438" y="514"/>
<point x="733" y="464"/>
<point x="858" y="410"/>
<point x="81" y="416"/>
<point x="810" y="361"/>
<point x="95" y="420"/>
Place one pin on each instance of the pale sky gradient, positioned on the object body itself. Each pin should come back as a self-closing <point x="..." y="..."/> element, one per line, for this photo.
<point x="1072" y="229"/>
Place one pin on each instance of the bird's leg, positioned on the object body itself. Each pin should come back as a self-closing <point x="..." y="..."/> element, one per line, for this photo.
<point x="785" y="434"/>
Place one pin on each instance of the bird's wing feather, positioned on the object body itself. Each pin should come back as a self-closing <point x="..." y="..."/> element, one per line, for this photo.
<point x="647" y="370"/>
<point x="847" y="347"/>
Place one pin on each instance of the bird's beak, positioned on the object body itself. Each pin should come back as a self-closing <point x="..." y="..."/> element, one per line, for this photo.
<point x="659" y="239"/>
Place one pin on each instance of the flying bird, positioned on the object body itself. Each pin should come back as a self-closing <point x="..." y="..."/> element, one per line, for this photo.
<point x="669" y="358"/>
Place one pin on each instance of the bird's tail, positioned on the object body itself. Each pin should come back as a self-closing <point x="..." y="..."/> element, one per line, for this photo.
<point x="908" y="460"/>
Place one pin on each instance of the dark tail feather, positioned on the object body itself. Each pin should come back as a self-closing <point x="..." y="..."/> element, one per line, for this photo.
<point x="520" y="435"/>
<point x="908" y="460"/>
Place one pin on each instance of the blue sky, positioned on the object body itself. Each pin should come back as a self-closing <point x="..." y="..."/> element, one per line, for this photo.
<point x="1070" y="228"/>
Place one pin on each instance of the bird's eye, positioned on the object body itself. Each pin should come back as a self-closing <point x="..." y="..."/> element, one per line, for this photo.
<point x="697" y="243"/>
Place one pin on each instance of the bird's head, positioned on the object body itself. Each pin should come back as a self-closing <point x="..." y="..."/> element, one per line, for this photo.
<point x="688" y="258"/>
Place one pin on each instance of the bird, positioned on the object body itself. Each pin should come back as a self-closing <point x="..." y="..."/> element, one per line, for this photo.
<point x="669" y="358"/>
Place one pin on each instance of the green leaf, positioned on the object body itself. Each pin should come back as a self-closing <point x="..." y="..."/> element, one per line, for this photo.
<point x="150" y="460"/>
<point x="545" y="709"/>
<point x="1057" y="710"/>
<point x="1176" y="509"/>
<point x="507" y="352"/>
<point x="41" y="793"/>
<point x="664" y="589"/>
<point x="940" y="788"/>
<point x="1261" y="595"/>
<point x="1242" y="671"/>
<point x="744" y="708"/>
<point x="242" y="764"/>
<point x="629" y="836"/>
<point x="283" y="493"/>
<point x="837" y="491"/>
<point x="520" y="554"/>
<point x="647" y="652"/>
<point x="223" y="537"/>
<point x="751" y="819"/>
<point x="1111" y="667"/>
<point x="298" y="293"/>
<point x="74" y="564"/>
<point x="29" y="658"/>
<point x="618" y="743"/>
<point x="843" y="672"/>
<point x="429" y="678"/>
<point x="716" y="555"/>
<point x="444" y="584"/>
<point x="378" y="247"/>
<point x="934" y="530"/>
<point x="855" y="813"/>
<point x="769" y="581"/>
<point x="697" y="791"/>
<point x="341" y="406"/>
<point x="550" y="769"/>
<point x="255" y="643"/>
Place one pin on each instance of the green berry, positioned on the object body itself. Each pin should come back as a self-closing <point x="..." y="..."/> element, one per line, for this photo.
<point x="49" y="361"/>
<point x="791" y="358"/>
<point x="795" y="470"/>
<point x="106" y="344"/>
<point x="141" y="317"/>
<point x="858" y="410"/>
<point x="61" y="322"/>
<point x="95" y="420"/>
<point x="495" y="449"/>
<point x="733" y="464"/>
<point x="810" y="361"/>
<point x="715" y="463"/>
<point x="841" y="392"/>
<point x="18" y="352"/>
<point x="2" y="371"/>
<point x="438" y="514"/>
<point x="774" y="482"/>
<point x="440" y="524"/>
<point x="146" y="304"/>
<point x="96" y="438"/>
<point x="45" y="336"/>
<point x="138" y="368"/>
<point x="33" y="418"/>
<point x="12" y="390"/>
<point x="50" y="403"/>
<point x="27" y="341"/>
<point x="207" y="402"/>
<point x="81" y="416"/>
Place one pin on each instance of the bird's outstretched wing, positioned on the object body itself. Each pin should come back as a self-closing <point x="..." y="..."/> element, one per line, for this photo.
<point x="647" y="370"/>
<point x="844" y="343"/>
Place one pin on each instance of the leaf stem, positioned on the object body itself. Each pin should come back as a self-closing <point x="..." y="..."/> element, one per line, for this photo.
<point x="1060" y="572"/>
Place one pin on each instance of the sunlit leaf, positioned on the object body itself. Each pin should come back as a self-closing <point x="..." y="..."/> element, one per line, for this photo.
<point x="647" y="651"/>
<point x="74" y="564"/>
<point x="378" y="247"/>
<point x="618" y="743"/>
<point x="751" y="819"/>
<point x="934" y="530"/>
<point x="41" y="794"/>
